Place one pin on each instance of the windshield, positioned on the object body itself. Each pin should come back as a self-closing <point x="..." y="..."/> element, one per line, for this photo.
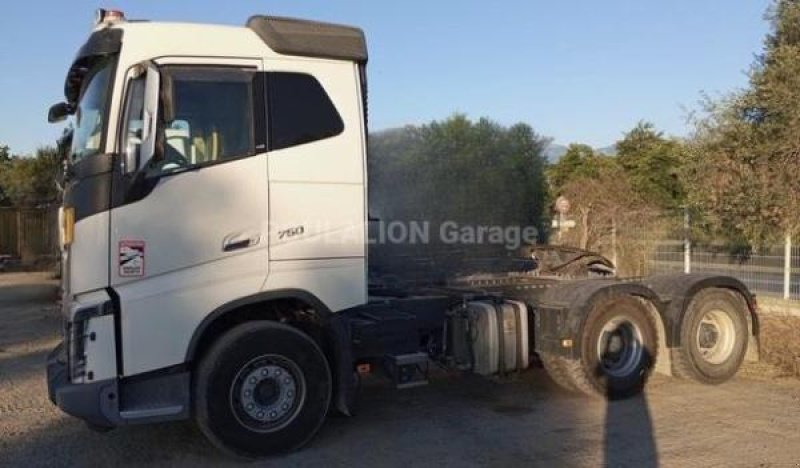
<point x="90" y="116"/>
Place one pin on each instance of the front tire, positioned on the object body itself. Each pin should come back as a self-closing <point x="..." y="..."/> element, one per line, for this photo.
<point x="263" y="388"/>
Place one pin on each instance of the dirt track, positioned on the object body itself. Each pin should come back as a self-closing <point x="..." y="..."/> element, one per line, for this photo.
<point x="752" y="421"/>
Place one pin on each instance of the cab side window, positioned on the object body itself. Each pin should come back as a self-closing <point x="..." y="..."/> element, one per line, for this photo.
<point x="300" y="110"/>
<point x="206" y="114"/>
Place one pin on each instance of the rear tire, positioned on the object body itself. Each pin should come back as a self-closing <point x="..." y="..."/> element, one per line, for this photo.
<point x="263" y="388"/>
<point x="618" y="350"/>
<point x="713" y="337"/>
<point x="557" y="369"/>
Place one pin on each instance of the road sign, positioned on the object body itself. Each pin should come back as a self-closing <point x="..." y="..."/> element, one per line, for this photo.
<point x="566" y="224"/>
<point x="562" y="204"/>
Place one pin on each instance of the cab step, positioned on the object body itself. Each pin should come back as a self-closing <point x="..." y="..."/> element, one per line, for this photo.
<point x="408" y="370"/>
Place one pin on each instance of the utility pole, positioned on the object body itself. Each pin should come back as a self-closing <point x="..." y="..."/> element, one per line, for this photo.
<point x="19" y="233"/>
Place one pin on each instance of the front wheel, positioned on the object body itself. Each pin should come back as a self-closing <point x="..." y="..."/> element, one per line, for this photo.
<point x="262" y="388"/>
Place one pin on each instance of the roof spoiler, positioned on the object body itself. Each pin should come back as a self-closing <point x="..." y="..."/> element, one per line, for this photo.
<point x="290" y="36"/>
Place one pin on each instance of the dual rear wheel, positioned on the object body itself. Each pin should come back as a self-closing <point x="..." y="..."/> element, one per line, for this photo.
<point x="619" y="345"/>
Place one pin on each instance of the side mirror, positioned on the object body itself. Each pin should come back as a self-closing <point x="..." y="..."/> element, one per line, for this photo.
<point x="132" y="149"/>
<point x="59" y="112"/>
<point x="140" y="139"/>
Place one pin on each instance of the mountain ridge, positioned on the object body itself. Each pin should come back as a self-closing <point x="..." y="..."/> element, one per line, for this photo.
<point x="554" y="151"/>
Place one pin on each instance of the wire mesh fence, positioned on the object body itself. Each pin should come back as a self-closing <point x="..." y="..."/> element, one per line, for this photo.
<point x="672" y="242"/>
<point x="762" y="272"/>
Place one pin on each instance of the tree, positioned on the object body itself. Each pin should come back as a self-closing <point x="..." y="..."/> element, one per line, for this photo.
<point x="27" y="181"/>
<point x="651" y="163"/>
<point x="616" y="200"/>
<point x="579" y="162"/>
<point x="458" y="169"/>
<point x="600" y="202"/>
<point x="742" y="168"/>
<point x="473" y="173"/>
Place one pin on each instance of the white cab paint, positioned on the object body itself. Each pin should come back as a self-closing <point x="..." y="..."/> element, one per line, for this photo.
<point x="338" y="283"/>
<point x="321" y="187"/>
<point x="184" y="223"/>
<point x="160" y="314"/>
<point x="87" y="256"/>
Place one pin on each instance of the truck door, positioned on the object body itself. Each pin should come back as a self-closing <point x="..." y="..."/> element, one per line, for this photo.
<point x="191" y="231"/>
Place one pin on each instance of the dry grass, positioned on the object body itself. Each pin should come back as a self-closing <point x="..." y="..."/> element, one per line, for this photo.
<point x="780" y="343"/>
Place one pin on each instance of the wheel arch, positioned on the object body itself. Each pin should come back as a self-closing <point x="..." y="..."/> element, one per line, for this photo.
<point x="246" y="308"/>
<point x="578" y="299"/>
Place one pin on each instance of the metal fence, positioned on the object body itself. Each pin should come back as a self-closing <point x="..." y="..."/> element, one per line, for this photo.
<point x="772" y="270"/>
<point x="29" y="234"/>
<point x="668" y="242"/>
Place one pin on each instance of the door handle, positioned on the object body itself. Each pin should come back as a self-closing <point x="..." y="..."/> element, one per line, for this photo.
<point x="238" y="241"/>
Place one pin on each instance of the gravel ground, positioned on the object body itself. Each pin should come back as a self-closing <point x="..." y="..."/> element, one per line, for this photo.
<point x="753" y="420"/>
<point x="781" y="343"/>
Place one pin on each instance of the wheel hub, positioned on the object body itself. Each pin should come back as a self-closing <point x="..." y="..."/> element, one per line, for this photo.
<point x="267" y="393"/>
<point x="716" y="336"/>
<point x="709" y="334"/>
<point x="619" y="348"/>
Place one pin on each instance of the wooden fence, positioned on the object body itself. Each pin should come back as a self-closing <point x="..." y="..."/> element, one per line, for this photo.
<point x="29" y="234"/>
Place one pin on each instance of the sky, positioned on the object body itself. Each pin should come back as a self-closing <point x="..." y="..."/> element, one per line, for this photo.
<point x="575" y="70"/>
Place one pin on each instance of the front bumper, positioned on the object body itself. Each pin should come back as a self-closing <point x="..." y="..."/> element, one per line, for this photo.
<point x="95" y="403"/>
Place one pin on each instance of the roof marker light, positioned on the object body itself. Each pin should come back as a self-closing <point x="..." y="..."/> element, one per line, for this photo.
<point x="103" y="16"/>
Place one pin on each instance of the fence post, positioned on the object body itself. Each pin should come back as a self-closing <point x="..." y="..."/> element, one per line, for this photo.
<point x="614" y="242"/>
<point x="19" y="233"/>
<point x="787" y="267"/>
<point x="687" y="243"/>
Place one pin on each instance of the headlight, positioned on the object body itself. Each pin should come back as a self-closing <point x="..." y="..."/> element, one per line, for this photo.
<point x="67" y="225"/>
<point x="79" y="333"/>
<point x="76" y="346"/>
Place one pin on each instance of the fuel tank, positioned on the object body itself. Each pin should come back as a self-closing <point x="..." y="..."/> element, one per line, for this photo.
<point x="490" y="337"/>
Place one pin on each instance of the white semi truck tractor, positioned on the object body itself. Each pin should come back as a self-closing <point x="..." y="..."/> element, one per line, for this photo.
<point x="215" y="261"/>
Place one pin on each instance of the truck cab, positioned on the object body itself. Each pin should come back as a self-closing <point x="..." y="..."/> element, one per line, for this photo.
<point x="210" y="167"/>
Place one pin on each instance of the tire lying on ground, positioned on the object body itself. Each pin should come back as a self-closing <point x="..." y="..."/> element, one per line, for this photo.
<point x="713" y="337"/>
<point x="262" y="388"/>
<point x="618" y="349"/>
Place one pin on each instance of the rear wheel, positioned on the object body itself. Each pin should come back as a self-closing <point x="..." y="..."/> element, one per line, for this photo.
<point x="557" y="368"/>
<point x="262" y="388"/>
<point x="713" y="337"/>
<point x="618" y="349"/>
